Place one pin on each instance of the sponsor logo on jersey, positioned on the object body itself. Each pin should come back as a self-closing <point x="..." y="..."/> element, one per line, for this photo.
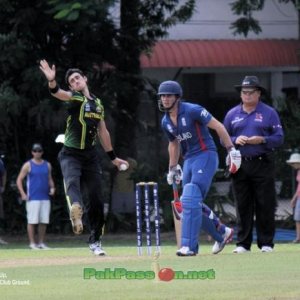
<point x="169" y="127"/>
<point x="184" y="136"/>
<point x="92" y="115"/>
<point x="237" y="119"/>
<point x="87" y="107"/>
<point x="183" y="121"/>
<point x="204" y="113"/>
<point x="258" y="117"/>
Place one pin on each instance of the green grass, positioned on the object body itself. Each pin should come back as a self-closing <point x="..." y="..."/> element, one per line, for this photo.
<point x="58" y="273"/>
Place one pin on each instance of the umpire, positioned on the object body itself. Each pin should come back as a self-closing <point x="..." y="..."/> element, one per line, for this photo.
<point x="255" y="130"/>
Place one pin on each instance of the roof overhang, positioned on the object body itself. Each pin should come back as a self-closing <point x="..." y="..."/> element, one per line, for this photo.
<point x="223" y="53"/>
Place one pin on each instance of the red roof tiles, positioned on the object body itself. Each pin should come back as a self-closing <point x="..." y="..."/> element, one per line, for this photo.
<point x="223" y="53"/>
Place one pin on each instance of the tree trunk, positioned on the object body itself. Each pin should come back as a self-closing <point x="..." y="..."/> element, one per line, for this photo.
<point x="129" y="71"/>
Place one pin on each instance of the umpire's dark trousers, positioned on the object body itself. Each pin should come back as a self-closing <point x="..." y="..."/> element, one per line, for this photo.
<point x="81" y="170"/>
<point x="254" y="192"/>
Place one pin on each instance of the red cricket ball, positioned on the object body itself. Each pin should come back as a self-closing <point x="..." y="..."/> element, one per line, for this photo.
<point x="166" y="274"/>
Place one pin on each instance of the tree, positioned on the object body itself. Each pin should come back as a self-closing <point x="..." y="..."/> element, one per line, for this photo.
<point x="247" y="23"/>
<point x="141" y="24"/>
<point x="84" y="34"/>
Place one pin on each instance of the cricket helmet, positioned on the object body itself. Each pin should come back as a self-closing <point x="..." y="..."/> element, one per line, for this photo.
<point x="170" y="88"/>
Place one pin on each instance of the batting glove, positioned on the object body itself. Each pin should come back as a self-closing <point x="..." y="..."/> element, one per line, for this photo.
<point x="233" y="160"/>
<point x="175" y="174"/>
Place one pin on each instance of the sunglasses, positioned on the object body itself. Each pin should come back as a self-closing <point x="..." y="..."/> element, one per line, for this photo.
<point x="38" y="151"/>
<point x="249" y="93"/>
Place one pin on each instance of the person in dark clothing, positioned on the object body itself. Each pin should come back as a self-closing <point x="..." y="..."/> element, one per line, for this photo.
<point x="78" y="157"/>
<point x="255" y="129"/>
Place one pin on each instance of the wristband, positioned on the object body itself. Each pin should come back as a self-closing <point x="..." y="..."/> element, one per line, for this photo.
<point x="111" y="154"/>
<point x="54" y="90"/>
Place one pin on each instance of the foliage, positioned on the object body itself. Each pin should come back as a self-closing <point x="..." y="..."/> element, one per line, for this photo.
<point x="289" y="112"/>
<point x="102" y="37"/>
<point x="247" y="23"/>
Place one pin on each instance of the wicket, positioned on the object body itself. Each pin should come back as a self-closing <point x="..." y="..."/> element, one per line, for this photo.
<point x="139" y="215"/>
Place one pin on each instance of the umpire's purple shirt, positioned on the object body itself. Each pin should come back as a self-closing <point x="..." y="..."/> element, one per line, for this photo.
<point x="263" y="121"/>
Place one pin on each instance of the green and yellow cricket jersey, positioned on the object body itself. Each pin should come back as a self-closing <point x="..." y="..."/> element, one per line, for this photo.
<point x="84" y="116"/>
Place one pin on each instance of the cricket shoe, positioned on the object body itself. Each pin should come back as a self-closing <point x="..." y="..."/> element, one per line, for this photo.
<point x="96" y="249"/>
<point x="34" y="247"/>
<point x="75" y="216"/>
<point x="185" y="251"/>
<point x="43" y="246"/>
<point x="266" y="249"/>
<point x="240" y="249"/>
<point x="2" y="242"/>
<point x="227" y="238"/>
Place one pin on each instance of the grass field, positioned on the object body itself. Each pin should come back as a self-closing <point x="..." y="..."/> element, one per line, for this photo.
<point x="59" y="273"/>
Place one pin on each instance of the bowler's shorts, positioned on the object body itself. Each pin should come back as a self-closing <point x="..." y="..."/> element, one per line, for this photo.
<point x="297" y="210"/>
<point x="38" y="211"/>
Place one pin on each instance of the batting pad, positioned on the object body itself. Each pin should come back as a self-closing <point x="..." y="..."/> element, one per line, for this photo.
<point x="191" y="200"/>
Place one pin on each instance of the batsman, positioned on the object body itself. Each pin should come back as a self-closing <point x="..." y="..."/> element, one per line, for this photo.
<point x="186" y="126"/>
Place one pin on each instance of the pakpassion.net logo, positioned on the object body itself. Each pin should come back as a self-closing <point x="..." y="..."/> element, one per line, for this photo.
<point x="164" y="274"/>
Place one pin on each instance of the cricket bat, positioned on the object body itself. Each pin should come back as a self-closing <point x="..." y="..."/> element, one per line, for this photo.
<point x="177" y="213"/>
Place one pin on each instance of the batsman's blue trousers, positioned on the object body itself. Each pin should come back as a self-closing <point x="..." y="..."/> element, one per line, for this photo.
<point x="199" y="170"/>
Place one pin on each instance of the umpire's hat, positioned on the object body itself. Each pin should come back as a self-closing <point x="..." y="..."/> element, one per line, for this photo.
<point x="250" y="82"/>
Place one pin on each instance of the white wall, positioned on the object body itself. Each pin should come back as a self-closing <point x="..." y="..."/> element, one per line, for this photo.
<point x="212" y="20"/>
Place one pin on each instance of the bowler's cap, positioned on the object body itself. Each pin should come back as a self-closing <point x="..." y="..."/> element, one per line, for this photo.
<point x="250" y="82"/>
<point x="37" y="146"/>
<point x="294" y="159"/>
